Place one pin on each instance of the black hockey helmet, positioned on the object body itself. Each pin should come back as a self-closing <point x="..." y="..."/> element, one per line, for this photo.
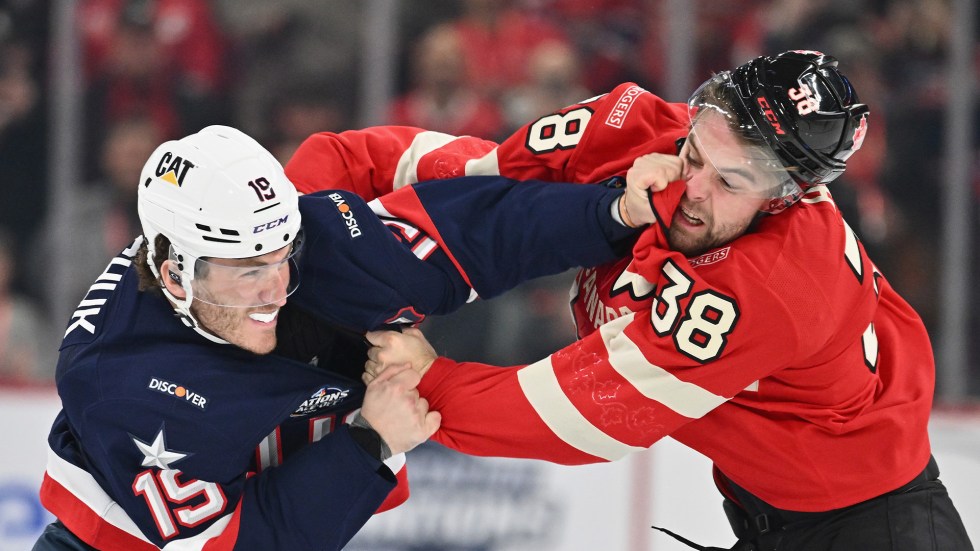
<point x="807" y="111"/>
<point x="799" y="105"/>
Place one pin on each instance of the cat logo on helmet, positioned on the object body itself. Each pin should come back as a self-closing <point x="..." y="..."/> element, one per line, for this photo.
<point x="173" y="169"/>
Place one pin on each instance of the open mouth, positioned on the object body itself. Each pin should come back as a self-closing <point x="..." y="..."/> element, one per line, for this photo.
<point x="265" y="317"/>
<point x="690" y="218"/>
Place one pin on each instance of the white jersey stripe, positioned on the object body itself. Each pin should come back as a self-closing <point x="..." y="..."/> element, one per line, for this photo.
<point x="406" y="171"/>
<point x="543" y="391"/>
<point x="654" y="382"/>
<point x="424" y="248"/>
<point x="379" y="209"/>
<point x="84" y="487"/>
<point x="486" y="165"/>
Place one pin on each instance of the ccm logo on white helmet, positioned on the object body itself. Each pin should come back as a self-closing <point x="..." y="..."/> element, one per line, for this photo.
<point x="269" y="225"/>
<point x="346" y="214"/>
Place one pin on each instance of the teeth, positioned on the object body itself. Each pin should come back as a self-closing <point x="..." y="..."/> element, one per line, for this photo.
<point x="264" y="318"/>
<point x="690" y="216"/>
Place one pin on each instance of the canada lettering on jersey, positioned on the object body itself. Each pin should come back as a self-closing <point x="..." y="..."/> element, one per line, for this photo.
<point x="596" y="309"/>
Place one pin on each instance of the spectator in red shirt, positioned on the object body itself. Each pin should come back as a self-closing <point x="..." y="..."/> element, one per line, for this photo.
<point x="441" y="99"/>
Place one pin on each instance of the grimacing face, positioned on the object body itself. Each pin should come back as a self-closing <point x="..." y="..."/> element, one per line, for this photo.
<point x="720" y="202"/>
<point x="225" y="292"/>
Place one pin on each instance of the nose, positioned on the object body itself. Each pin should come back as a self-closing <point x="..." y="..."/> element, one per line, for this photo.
<point x="698" y="185"/>
<point x="274" y="286"/>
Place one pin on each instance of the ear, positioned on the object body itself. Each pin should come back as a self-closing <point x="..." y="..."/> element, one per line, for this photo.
<point x="170" y="275"/>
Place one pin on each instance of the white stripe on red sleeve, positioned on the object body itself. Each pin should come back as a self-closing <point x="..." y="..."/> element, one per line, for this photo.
<point x="653" y="381"/>
<point x="406" y="171"/>
<point x="544" y="392"/>
<point x="486" y="165"/>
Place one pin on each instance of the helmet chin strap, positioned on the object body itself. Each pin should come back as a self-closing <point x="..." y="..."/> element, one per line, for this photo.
<point x="182" y="305"/>
<point x="183" y="309"/>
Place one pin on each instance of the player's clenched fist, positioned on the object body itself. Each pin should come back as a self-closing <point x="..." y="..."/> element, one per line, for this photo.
<point x="391" y="348"/>
<point x="649" y="174"/>
<point x="394" y="409"/>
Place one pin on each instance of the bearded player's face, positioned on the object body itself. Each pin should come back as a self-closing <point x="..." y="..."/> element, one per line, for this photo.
<point x="715" y="210"/>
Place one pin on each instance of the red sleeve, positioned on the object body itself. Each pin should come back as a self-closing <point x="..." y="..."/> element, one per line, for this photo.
<point x="595" y="139"/>
<point x="627" y="384"/>
<point x="377" y="160"/>
<point x="586" y="142"/>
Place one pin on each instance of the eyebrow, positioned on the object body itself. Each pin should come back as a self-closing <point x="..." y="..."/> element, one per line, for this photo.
<point x="253" y="262"/>
<point x="738" y="171"/>
<point x="744" y="173"/>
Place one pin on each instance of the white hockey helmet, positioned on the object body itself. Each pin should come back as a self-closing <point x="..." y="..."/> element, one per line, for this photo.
<point x="217" y="194"/>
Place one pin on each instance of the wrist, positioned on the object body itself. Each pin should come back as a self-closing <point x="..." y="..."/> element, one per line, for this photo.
<point x="368" y="439"/>
<point x="624" y="215"/>
<point x="427" y="365"/>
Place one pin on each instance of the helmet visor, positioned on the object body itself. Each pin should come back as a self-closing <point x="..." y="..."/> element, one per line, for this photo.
<point x="734" y="146"/>
<point x="247" y="282"/>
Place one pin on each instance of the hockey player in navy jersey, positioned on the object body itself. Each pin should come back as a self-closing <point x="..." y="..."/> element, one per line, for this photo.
<point x="183" y="425"/>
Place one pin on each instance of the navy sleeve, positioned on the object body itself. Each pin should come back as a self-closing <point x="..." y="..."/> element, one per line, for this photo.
<point x="420" y="250"/>
<point x="317" y="500"/>
<point x="356" y="272"/>
<point x="503" y="232"/>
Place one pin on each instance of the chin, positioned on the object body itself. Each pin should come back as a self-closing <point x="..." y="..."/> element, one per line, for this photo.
<point x="688" y="247"/>
<point x="265" y="347"/>
<point x="256" y="345"/>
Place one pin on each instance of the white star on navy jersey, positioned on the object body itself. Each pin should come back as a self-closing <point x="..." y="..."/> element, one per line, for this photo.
<point x="156" y="454"/>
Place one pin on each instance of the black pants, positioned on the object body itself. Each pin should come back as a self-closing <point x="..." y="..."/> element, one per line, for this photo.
<point x="919" y="516"/>
<point x="58" y="538"/>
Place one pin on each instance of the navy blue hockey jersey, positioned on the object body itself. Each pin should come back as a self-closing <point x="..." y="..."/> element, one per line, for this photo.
<point x="167" y="439"/>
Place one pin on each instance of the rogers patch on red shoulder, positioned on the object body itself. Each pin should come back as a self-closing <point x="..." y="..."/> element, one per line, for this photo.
<point x="622" y="107"/>
<point x="710" y="257"/>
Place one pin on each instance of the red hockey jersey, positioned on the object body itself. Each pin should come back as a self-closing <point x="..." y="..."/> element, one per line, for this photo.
<point x="785" y="356"/>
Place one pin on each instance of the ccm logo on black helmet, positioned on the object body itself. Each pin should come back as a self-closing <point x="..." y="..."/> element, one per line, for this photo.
<point x="770" y="116"/>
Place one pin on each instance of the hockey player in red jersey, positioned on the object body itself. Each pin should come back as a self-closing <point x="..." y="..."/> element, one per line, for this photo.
<point x="748" y="324"/>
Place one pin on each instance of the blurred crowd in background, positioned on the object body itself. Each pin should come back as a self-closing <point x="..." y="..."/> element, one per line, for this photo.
<point x="159" y="69"/>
